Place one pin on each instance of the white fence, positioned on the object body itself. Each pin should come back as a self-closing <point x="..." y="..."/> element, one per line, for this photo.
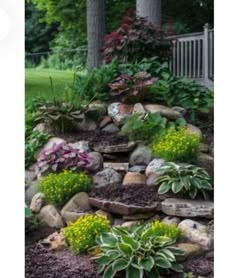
<point x="193" y="56"/>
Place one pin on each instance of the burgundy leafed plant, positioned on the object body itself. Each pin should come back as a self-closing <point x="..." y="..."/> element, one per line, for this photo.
<point x="62" y="156"/>
<point x="131" y="88"/>
<point x="135" y="39"/>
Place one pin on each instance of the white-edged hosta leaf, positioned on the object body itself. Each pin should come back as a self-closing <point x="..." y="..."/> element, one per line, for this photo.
<point x="147" y="263"/>
<point x="132" y="272"/>
<point x="162" y="262"/>
<point x="120" y="264"/>
<point x="164" y="188"/>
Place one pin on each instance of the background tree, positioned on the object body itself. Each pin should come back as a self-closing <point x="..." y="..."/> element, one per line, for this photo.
<point x="96" y="31"/>
<point x="150" y="9"/>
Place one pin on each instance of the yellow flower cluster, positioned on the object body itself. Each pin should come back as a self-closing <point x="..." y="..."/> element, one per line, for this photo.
<point x="177" y="145"/>
<point x="58" y="188"/>
<point x="162" y="229"/>
<point x="82" y="234"/>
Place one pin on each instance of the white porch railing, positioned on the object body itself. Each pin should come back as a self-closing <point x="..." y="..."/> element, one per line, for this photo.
<point x="193" y="56"/>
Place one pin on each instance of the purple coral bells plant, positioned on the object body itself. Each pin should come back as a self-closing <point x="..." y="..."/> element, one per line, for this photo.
<point x="62" y="156"/>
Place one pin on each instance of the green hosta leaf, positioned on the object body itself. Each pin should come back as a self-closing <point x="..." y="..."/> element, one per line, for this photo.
<point x="154" y="273"/>
<point x="177" y="267"/>
<point x="193" y="193"/>
<point x="206" y="185"/>
<point x="132" y="242"/>
<point x="205" y="195"/>
<point x="147" y="263"/>
<point x="132" y="272"/>
<point x="162" y="262"/>
<point x="109" y="272"/>
<point x="108" y="238"/>
<point x="101" y="268"/>
<point x="177" y="187"/>
<point x="180" y="122"/>
<point x="104" y="260"/>
<point x="170" y="256"/>
<point x="176" y="251"/>
<point x="120" y="264"/>
<point x="126" y="249"/>
<point x="120" y="231"/>
<point x="164" y="188"/>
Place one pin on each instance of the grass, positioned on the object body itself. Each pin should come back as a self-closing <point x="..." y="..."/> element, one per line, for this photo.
<point x="47" y="83"/>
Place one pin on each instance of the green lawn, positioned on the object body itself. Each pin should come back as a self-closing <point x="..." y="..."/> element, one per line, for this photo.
<point x="37" y="83"/>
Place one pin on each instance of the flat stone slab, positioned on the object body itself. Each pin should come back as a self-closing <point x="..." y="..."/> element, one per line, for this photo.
<point x="188" y="208"/>
<point x="163" y="111"/>
<point x="117" y="166"/>
<point x="121" y="208"/>
<point x="120" y="148"/>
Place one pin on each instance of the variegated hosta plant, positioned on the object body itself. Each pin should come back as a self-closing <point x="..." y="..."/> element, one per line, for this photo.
<point x="61" y="115"/>
<point x="185" y="178"/>
<point x="138" y="253"/>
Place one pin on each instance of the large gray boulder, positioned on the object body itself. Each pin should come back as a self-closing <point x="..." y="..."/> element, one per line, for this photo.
<point x="107" y="176"/>
<point x="196" y="232"/>
<point x="37" y="202"/>
<point x="31" y="191"/>
<point x="142" y="155"/>
<point x="119" y="148"/>
<point x="119" y="112"/>
<point x="82" y="146"/>
<point x="154" y="167"/>
<point x="75" y="206"/>
<point x="111" y="128"/>
<point x="50" y="216"/>
<point x="96" y="163"/>
<point x="188" y="208"/>
<point x="163" y="111"/>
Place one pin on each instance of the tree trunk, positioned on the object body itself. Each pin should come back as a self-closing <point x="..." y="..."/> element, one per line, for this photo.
<point x="151" y="9"/>
<point x="95" y="31"/>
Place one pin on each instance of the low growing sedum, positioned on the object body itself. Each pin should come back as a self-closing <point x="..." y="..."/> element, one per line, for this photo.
<point x="145" y="251"/>
<point x="82" y="234"/>
<point x="59" y="188"/>
<point x="177" y="145"/>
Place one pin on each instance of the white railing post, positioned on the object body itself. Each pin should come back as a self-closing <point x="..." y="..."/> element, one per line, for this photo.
<point x="205" y="52"/>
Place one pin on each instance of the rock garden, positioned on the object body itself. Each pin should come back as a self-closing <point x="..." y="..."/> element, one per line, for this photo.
<point x="119" y="181"/>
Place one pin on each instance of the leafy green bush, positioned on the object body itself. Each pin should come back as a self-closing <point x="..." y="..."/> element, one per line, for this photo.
<point x="137" y="253"/>
<point x="34" y="140"/>
<point x="177" y="145"/>
<point x="140" y="127"/>
<point x="174" y="91"/>
<point x="184" y="178"/>
<point x="94" y="85"/>
<point x="59" y="188"/>
<point x="82" y="234"/>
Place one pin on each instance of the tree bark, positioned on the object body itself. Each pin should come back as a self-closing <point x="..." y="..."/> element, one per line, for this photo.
<point x="150" y="9"/>
<point x="95" y="31"/>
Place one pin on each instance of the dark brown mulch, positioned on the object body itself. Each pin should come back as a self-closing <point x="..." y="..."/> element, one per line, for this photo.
<point x="95" y="137"/>
<point x="202" y="266"/>
<point x="43" y="263"/>
<point x="139" y="195"/>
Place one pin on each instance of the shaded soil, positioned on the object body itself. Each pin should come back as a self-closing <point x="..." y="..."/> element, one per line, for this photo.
<point x="139" y="195"/>
<point x="202" y="266"/>
<point x="95" y="137"/>
<point x="44" y="263"/>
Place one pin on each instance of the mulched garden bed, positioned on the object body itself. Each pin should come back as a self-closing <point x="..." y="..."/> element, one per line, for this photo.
<point x="44" y="263"/>
<point x="95" y="137"/>
<point x="138" y="195"/>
